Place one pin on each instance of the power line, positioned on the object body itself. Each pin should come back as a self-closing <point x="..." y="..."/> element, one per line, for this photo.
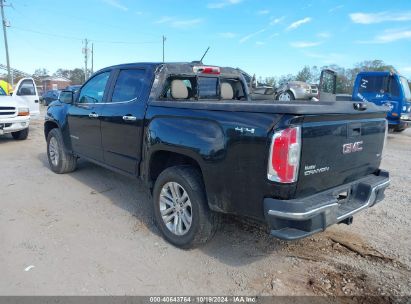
<point x="85" y="51"/>
<point x="9" y="78"/>
<point x="81" y="39"/>
<point x="92" y="58"/>
<point x="46" y="34"/>
<point x="164" y="41"/>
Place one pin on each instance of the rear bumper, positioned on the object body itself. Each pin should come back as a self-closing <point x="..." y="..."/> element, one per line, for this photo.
<point x="303" y="94"/>
<point x="299" y="218"/>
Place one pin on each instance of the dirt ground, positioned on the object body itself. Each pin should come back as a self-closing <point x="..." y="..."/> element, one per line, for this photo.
<point x="92" y="233"/>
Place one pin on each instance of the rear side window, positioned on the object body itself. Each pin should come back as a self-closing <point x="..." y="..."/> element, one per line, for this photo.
<point x="373" y="84"/>
<point x="26" y="88"/>
<point x="208" y="88"/>
<point x="129" y="85"/>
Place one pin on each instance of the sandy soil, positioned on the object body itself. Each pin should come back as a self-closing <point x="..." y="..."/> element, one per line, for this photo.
<point x="92" y="233"/>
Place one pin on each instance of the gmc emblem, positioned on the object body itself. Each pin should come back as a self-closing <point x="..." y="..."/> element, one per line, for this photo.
<point x="352" y="147"/>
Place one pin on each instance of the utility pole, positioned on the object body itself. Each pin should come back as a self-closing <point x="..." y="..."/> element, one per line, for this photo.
<point x="164" y="41"/>
<point x="9" y="78"/>
<point x="92" y="58"/>
<point x="85" y="51"/>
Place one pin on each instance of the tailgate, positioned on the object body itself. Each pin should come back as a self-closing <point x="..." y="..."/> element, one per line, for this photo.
<point x="338" y="149"/>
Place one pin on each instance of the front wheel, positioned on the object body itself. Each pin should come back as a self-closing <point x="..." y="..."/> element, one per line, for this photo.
<point x="60" y="161"/>
<point x="20" y="135"/>
<point x="180" y="208"/>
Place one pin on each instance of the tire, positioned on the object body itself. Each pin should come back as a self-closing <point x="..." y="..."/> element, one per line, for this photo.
<point x="21" y="135"/>
<point x="59" y="160"/>
<point x="203" y="223"/>
<point x="399" y="129"/>
<point x="286" y="96"/>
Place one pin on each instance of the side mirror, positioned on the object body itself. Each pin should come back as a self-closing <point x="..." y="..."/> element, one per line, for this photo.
<point x="328" y="85"/>
<point x="67" y="97"/>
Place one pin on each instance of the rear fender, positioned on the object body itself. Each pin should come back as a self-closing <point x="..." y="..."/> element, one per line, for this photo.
<point x="201" y="140"/>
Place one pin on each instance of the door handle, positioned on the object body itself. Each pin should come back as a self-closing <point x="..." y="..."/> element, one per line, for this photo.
<point x="36" y="101"/>
<point x="93" y="115"/>
<point x="129" y="118"/>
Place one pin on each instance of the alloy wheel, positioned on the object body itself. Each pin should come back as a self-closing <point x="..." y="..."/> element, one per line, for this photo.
<point x="175" y="208"/>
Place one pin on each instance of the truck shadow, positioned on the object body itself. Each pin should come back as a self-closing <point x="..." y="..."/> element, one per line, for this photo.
<point x="5" y="139"/>
<point x="236" y="243"/>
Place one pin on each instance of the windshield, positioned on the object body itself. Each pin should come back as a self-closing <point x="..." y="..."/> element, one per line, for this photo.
<point x="2" y="92"/>
<point x="406" y="88"/>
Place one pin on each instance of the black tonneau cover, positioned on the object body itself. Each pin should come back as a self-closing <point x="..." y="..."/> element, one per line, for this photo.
<point x="297" y="107"/>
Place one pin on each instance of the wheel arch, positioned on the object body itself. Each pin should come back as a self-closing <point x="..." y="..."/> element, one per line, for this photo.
<point x="48" y="126"/>
<point x="292" y="91"/>
<point x="160" y="160"/>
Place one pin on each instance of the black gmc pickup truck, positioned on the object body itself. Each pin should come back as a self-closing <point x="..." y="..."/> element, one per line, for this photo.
<point x="193" y="136"/>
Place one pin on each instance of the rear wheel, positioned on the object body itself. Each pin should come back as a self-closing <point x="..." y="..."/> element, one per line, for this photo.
<point x="180" y="208"/>
<point x="60" y="161"/>
<point x="286" y="96"/>
<point x="20" y="135"/>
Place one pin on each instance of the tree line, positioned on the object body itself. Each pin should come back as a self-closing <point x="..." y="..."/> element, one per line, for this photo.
<point x="76" y="76"/>
<point x="345" y="78"/>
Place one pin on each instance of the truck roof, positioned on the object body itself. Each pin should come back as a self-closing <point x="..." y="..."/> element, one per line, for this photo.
<point x="173" y="67"/>
<point x="379" y="73"/>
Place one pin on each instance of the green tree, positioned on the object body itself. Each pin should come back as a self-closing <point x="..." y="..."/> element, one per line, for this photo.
<point x="304" y="75"/>
<point x="271" y="81"/>
<point x="62" y="73"/>
<point x="77" y="76"/>
<point x="285" y="78"/>
<point x="40" y="73"/>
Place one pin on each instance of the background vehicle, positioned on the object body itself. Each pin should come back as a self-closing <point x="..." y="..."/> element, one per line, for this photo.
<point x="27" y="91"/>
<point x="6" y="87"/>
<point x="386" y="88"/>
<point x="257" y="91"/>
<point x="195" y="138"/>
<point x="293" y="90"/>
<point x="50" y="96"/>
<point x="14" y="114"/>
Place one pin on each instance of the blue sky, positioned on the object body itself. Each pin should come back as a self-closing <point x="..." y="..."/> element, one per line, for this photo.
<point x="268" y="38"/>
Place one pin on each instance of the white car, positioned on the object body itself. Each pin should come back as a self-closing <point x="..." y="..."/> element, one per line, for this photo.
<point x="16" y="110"/>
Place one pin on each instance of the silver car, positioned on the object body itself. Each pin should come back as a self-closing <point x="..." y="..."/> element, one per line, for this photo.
<point x="293" y="90"/>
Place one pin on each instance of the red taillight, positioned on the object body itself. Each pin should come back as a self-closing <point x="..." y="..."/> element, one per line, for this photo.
<point x="207" y="70"/>
<point x="284" y="157"/>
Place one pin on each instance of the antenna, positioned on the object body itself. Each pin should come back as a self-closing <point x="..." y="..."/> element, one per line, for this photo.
<point x="201" y="60"/>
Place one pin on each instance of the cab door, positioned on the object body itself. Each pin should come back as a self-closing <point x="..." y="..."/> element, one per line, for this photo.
<point x="26" y="90"/>
<point x="84" y="117"/>
<point x="123" y="118"/>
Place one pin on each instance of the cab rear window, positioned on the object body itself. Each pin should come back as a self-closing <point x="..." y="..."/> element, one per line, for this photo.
<point x="203" y="88"/>
<point x="208" y="88"/>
